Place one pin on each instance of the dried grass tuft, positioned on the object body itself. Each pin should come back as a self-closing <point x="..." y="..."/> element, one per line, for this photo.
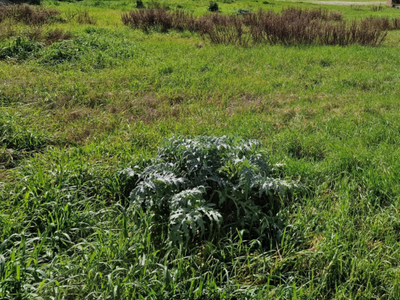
<point x="30" y="15"/>
<point x="293" y="26"/>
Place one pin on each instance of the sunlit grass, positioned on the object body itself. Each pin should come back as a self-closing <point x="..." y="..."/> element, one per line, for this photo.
<point x="328" y="115"/>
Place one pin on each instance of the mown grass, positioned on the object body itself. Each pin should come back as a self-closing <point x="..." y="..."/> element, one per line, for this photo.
<point x="77" y="111"/>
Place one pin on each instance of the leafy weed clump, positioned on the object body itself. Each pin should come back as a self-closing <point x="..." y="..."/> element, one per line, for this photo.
<point x="20" y="49"/>
<point x="205" y="187"/>
<point x="65" y="51"/>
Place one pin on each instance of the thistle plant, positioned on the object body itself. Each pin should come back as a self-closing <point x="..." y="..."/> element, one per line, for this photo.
<point x="201" y="188"/>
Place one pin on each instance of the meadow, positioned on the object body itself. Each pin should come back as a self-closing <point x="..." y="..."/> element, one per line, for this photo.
<point x="103" y="126"/>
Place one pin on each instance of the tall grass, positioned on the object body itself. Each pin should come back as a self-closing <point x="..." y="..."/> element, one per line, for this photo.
<point x="291" y="27"/>
<point x="72" y="227"/>
<point x="28" y="14"/>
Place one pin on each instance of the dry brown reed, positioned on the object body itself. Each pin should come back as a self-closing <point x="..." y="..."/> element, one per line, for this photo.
<point x="30" y="15"/>
<point x="383" y="23"/>
<point x="293" y="26"/>
<point x="55" y="35"/>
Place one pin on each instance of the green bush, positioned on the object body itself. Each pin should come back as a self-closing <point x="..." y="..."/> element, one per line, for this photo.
<point x="207" y="186"/>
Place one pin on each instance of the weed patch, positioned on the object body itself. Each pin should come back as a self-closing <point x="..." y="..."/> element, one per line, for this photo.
<point x="139" y="4"/>
<point x="91" y="51"/>
<point x="20" y="49"/>
<point x="30" y="15"/>
<point x="381" y="23"/>
<point x="18" y="137"/>
<point x="56" y="35"/>
<point x="377" y="7"/>
<point x="81" y="17"/>
<point x="159" y="19"/>
<point x="213" y="7"/>
<point x="17" y="142"/>
<point x="203" y="187"/>
<point x="65" y="51"/>
<point x="291" y="27"/>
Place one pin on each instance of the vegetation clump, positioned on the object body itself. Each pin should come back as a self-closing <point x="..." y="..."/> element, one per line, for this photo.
<point x="213" y="7"/>
<point x="293" y="26"/>
<point x="383" y="23"/>
<point x="81" y="17"/>
<point x="16" y="141"/>
<point x="207" y="186"/>
<point x="139" y="4"/>
<point x="103" y="51"/>
<point x="28" y="14"/>
<point x="19" y="49"/>
<point x="160" y="19"/>
<point x="13" y="136"/>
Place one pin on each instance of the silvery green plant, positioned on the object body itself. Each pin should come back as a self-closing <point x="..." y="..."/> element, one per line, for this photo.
<point x="203" y="187"/>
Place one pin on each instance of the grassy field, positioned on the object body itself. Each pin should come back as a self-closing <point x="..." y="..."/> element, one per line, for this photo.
<point x="84" y="97"/>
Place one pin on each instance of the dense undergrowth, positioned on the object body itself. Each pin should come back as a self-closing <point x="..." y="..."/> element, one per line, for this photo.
<point x="96" y="203"/>
<point x="291" y="27"/>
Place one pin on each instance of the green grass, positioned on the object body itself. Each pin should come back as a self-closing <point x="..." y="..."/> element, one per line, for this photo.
<point x="329" y="115"/>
